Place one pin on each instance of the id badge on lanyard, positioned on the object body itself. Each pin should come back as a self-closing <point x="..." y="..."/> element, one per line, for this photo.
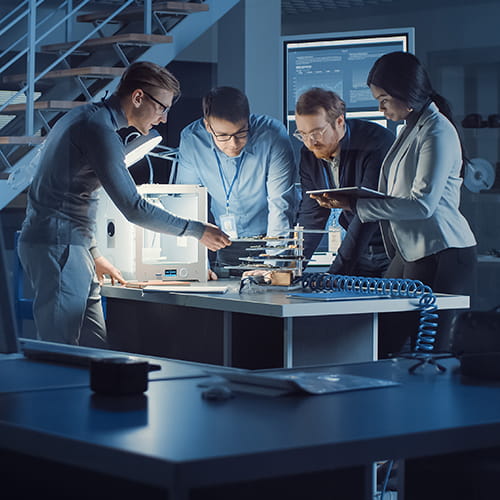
<point x="228" y="221"/>
<point x="228" y="225"/>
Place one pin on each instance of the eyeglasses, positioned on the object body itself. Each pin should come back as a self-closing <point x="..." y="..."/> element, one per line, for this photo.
<point x="164" y="109"/>
<point x="241" y="134"/>
<point x="315" y="135"/>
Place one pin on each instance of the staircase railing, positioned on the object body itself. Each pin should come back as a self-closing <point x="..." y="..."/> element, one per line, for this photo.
<point x="33" y="41"/>
<point x="20" y="159"/>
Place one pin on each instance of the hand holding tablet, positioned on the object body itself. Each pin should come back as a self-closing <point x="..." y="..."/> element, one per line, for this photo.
<point x="342" y="197"/>
<point x="356" y="192"/>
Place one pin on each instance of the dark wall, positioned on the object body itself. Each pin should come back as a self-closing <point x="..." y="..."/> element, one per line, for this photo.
<point x="196" y="79"/>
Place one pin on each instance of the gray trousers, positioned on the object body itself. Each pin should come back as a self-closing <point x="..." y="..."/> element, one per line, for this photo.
<point x="67" y="304"/>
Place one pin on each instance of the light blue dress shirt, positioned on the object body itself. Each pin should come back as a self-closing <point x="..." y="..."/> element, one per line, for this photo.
<point x="263" y="197"/>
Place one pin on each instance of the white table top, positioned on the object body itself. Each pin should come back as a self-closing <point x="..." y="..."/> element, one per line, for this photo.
<point x="277" y="302"/>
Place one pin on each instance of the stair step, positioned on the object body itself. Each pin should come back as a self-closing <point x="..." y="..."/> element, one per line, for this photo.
<point x="21" y="139"/>
<point x="43" y="106"/>
<point x="87" y="72"/>
<point x="133" y="12"/>
<point x="135" y="39"/>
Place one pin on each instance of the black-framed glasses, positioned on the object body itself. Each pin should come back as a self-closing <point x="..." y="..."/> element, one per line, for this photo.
<point x="241" y="134"/>
<point x="315" y="135"/>
<point x="164" y="109"/>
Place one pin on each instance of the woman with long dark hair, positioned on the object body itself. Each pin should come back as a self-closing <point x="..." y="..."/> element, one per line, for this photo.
<point x="425" y="235"/>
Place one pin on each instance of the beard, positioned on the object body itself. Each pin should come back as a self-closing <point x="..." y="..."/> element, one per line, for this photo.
<point x="323" y="152"/>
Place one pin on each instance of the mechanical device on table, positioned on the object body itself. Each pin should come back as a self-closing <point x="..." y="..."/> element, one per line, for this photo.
<point x="141" y="254"/>
<point x="281" y="259"/>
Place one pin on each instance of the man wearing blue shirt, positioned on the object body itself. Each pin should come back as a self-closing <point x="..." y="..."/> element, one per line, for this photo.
<point x="247" y="164"/>
<point x="82" y="153"/>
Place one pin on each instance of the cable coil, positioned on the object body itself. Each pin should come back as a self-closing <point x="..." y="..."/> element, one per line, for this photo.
<point x="426" y="338"/>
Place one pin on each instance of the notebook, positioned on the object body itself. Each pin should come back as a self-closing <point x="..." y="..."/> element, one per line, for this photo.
<point x="337" y="295"/>
<point x="278" y="383"/>
<point x="186" y="289"/>
<point x="144" y="284"/>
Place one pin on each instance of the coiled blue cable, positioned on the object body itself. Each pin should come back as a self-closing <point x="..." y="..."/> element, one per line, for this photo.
<point x="406" y="288"/>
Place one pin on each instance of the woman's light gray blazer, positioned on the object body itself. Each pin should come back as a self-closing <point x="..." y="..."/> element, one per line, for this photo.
<point x="421" y="174"/>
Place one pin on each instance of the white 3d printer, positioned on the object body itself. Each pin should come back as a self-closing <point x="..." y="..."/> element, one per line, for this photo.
<point x="141" y="254"/>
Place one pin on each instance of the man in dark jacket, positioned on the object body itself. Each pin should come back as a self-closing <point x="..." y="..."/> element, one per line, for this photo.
<point x="340" y="153"/>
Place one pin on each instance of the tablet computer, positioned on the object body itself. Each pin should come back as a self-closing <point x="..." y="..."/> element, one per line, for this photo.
<point x="356" y="191"/>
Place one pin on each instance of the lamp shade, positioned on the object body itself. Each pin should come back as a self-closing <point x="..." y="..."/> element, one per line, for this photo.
<point x="137" y="148"/>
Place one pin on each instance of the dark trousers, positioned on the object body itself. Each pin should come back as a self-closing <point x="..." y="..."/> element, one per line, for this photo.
<point x="449" y="271"/>
<point x="373" y="264"/>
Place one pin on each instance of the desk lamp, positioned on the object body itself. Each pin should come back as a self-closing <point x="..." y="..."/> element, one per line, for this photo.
<point x="140" y="146"/>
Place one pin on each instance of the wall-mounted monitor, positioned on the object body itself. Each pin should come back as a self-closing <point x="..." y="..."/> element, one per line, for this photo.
<point x="339" y="62"/>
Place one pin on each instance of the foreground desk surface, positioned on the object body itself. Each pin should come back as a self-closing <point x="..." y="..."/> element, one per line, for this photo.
<point x="175" y="440"/>
<point x="301" y="332"/>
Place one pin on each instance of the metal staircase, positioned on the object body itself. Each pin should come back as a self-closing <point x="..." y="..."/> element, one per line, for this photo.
<point x="97" y="39"/>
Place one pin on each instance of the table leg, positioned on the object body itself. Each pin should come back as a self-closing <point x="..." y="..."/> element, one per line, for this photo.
<point x="288" y="342"/>
<point x="227" y="347"/>
<point x="375" y="336"/>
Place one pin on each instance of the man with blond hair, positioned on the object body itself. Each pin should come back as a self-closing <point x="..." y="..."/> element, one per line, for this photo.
<point x="81" y="153"/>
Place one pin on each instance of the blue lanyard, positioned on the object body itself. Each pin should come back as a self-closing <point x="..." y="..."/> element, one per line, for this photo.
<point x="326" y="176"/>
<point x="221" y="173"/>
